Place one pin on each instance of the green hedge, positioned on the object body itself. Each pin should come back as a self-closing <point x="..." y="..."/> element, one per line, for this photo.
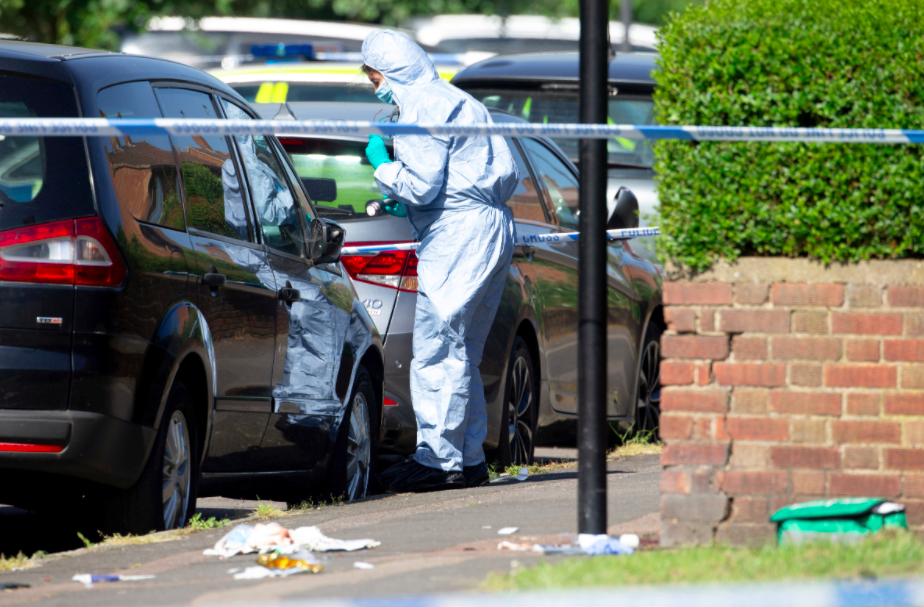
<point x="807" y="63"/>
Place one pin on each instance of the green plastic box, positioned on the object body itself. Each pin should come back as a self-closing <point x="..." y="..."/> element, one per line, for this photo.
<point x="844" y="520"/>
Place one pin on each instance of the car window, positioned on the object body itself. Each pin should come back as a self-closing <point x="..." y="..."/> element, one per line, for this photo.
<point x="525" y="202"/>
<point x="561" y="106"/>
<point x="273" y="200"/>
<point x="336" y="174"/>
<point x="214" y="202"/>
<point x="559" y="182"/>
<point x="143" y="168"/>
<point x="42" y="179"/>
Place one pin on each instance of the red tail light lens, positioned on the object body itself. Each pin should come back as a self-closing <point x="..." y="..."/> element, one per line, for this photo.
<point x="64" y="252"/>
<point x="393" y="269"/>
<point x="30" y="448"/>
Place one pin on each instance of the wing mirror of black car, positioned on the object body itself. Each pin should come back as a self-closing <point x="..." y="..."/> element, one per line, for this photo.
<point x="325" y="241"/>
<point x="625" y="213"/>
<point x="320" y="190"/>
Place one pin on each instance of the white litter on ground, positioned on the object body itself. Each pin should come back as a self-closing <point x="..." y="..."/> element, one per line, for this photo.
<point x="523" y="474"/>
<point x="273" y="537"/>
<point x="507" y="530"/>
<point x="362" y="565"/>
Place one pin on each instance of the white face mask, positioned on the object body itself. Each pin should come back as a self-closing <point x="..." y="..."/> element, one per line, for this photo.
<point x="384" y="93"/>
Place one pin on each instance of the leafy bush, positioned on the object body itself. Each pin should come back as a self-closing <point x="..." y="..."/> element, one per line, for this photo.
<point x="796" y="63"/>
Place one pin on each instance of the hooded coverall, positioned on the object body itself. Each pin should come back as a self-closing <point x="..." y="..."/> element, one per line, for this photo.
<point x="455" y="189"/>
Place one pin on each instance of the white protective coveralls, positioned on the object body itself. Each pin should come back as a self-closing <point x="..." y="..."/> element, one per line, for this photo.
<point x="455" y="190"/>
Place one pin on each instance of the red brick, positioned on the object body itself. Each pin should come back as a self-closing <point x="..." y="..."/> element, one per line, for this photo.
<point x="805" y="348"/>
<point x="913" y="485"/>
<point x="861" y="458"/>
<point x="804" y="457"/>
<point x="751" y="293"/>
<point x="675" y="481"/>
<point x="694" y="346"/>
<point x="907" y="350"/>
<point x="692" y="293"/>
<point x="721" y="432"/>
<point x="694" y="455"/>
<point x="864" y="296"/>
<point x="808" y="430"/>
<point x="866" y="432"/>
<point x="872" y="485"/>
<point x="912" y="377"/>
<point x="904" y="459"/>
<point x="750" y="374"/>
<point x="859" y="403"/>
<point x="914" y="324"/>
<point x="749" y="401"/>
<point x="703" y="480"/>
<point x="805" y="374"/>
<point x="674" y="373"/>
<point x="861" y="376"/>
<point x="749" y="348"/>
<point x="707" y="320"/>
<point x="867" y="323"/>
<point x="703" y="401"/>
<point x="757" y="428"/>
<point x="808" y="482"/>
<point x="789" y="294"/>
<point x="914" y="432"/>
<point x="865" y="350"/>
<point x="805" y="403"/>
<point x="702" y="429"/>
<point x="904" y="404"/>
<point x="914" y="513"/>
<point x="905" y="297"/>
<point x="754" y="321"/>
<point x="680" y="320"/>
<point x="675" y="426"/>
<point x="703" y="374"/>
<point x="815" y="323"/>
<point x="734" y="481"/>
<point x="750" y="510"/>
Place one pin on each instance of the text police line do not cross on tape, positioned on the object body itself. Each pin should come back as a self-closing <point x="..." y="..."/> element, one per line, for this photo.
<point x="69" y="127"/>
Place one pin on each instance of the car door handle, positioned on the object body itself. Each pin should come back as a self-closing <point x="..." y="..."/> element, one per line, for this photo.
<point x="526" y="251"/>
<point x="288" y="294"/>
<point x="214" y="280"/>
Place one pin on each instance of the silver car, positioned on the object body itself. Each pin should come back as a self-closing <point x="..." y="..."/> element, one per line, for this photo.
<point x="529" y="366"/>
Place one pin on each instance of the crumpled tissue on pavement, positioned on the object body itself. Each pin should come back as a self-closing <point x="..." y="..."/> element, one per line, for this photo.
<point x="273" y="537"/>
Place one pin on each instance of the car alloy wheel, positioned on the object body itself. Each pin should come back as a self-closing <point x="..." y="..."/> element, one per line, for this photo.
<point x="520" y="406"/>
<point x="176" y="471"/>
<point x="359" y="449"/>
<point x="648" y="407"/>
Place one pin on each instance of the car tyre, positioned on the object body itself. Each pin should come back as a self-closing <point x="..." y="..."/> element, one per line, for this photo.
<point x="165" y="495"/>
<point x="521" y="409"/>
<point x="355" y="452"/>
<point x="648" y="400"/>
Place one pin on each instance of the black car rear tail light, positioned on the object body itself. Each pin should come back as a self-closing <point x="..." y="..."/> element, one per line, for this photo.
<point x="393" y="269"/>
<point x="71" y="252"/>
<point x="30" y="448"/>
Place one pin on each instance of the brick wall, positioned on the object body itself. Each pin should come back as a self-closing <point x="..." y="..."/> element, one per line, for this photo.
<point x="786" y="381"/>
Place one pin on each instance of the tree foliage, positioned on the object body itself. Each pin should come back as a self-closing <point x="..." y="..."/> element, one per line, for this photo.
<point x="792" y="63"/>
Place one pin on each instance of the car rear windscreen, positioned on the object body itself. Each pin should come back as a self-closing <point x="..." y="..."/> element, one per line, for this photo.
<point x="338" y="177"/>
<point x="561" y="106"/>
<point x="42" y="179"/>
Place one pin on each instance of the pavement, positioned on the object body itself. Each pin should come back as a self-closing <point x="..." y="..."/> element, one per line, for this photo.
<point x="431" y="543"/>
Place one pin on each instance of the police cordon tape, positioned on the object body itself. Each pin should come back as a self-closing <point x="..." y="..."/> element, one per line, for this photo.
<point x="70" y="127"/>
<point x="521" y="240"/>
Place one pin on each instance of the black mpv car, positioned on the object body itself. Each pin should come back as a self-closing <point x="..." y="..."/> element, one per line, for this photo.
<point x="174" y="313"/>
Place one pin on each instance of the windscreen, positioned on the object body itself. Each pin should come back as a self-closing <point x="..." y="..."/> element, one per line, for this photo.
<point x="339" y="179"/>
<point x="41" y="179"/>
<point x="561" y="106"/>
<point x="279" y="92"/>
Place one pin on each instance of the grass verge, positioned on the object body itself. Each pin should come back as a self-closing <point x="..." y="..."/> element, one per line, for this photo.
<point x="888" y="553"/>
<point x="8" y="563"/>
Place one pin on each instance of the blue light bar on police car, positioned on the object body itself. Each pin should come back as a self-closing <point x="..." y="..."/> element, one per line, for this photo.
<point x="281" y="50"/>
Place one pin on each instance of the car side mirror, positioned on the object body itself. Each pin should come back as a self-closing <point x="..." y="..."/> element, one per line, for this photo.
<point x="625" y="213"/>
<point x="325" y="241"/>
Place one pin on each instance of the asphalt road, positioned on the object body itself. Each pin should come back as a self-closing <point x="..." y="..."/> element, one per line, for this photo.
<point x="438" y="542"/>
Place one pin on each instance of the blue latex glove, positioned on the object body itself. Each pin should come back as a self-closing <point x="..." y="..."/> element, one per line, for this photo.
<point x="376" y="151"/>
<point x="393" y="207"/>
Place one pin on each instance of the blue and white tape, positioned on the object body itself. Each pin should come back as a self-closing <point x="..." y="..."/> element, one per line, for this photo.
<point x="894" y="593"/>
<point x="522" y="240"/>
<point x="69" y="127"/>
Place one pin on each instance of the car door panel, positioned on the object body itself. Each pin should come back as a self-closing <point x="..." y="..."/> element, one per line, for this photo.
<point x="241" y="312"/>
